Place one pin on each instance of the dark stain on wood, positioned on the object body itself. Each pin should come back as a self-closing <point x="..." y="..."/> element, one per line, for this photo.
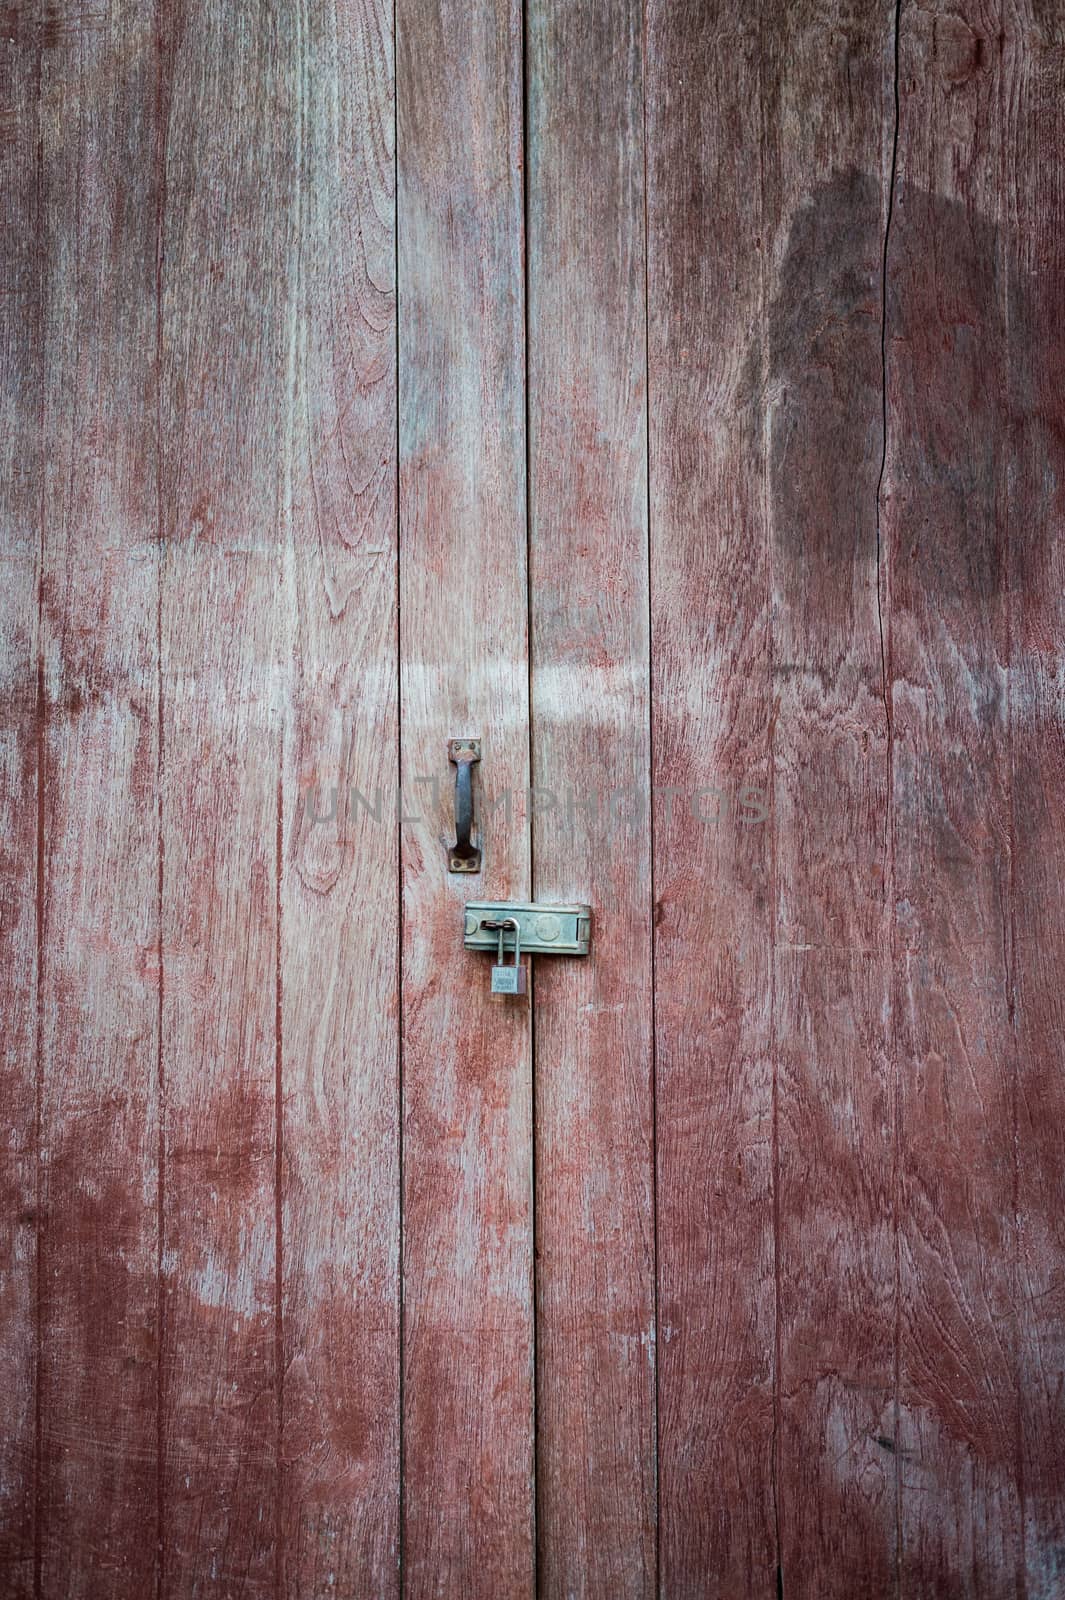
<point x="986" y="365"/>
<point x="824" y="326"/>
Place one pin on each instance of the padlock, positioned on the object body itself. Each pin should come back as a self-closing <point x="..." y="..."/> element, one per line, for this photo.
<point x="509" y="980"/>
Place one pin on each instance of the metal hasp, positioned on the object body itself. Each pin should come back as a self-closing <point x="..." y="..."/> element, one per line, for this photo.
<point x="463" y="856"/>
<point x="541" y="930"/>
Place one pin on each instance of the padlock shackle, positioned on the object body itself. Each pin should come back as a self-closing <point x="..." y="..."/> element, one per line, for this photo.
<point x="510" y="922"/>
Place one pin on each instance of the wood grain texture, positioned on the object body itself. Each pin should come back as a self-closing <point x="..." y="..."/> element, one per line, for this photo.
<point x="268" y="1284"/>
<point x="21" y="386"/>
<point x="225" y="397"/>
<point x="827" y="118"/>
<point x="340" y="888"/>
<point x="467" y="1133"/>
<point x="595" y="1331"/>
<point x="945" y="535"/>
<point x="711" y="717"/>
<point x="98" y="1005"/>
<point x="1033" y="102"/>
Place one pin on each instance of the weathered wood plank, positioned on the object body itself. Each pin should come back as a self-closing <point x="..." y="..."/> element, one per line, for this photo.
<point x="947" y="553"/>
<point x="1034" y="233"/>
<point x="98" y="994"/>
<point x="98" y="991"/>
<point x="827" y="74"/>
<point x="595" y="1333"/>
<point x="21" y="380"/>
<point x="227" y="298"/>
<point x="467" y="1180"/>
<point x="340" y="886"/>
<point x="711" y="715"/>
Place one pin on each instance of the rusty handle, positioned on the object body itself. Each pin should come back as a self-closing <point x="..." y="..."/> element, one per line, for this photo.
<point x="463" y="856"/>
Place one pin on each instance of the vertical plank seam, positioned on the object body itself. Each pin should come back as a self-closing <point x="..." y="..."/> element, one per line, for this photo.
<point x="883" y="362"/>
<point x="883" y="573"/>
<point x="161" y="1092"/>
<point x="533" y="1121"/>
<point x="161" y="137"/>
<point x="40" y="740"/>
<point x="283" y="636"/>
<point x="279" y="1162"/>
<point x="774" y="1473"/>
<point x="401" y="1490"/>
<point x="38" y="1430"/>
<point x="1010" y="909"/>
<point x="651" y="935"/>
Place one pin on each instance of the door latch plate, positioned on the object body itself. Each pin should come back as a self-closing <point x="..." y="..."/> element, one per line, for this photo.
<point x="542" y="930"/>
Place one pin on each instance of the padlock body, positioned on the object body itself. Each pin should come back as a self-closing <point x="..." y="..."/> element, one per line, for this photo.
<point x="508" y="980"/>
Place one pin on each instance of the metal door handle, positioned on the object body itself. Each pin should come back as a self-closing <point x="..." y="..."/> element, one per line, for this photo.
<point x="463" y="856"/>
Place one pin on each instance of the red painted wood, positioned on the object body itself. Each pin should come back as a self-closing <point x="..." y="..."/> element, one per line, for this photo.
<point x="827" y="144"/>
<point x="949" y="643"/>
<point x="711" y="719"/>
<point x="339" y="898"/>
<point x="232" y="1362"/>
<point x="20" y="753"/>
<point x="1034" y="513"/>
<point x="595" y="1223"/>
<point x="467" y="1130"/>
<point x="97" y="1308"/>
<point x="227" y="282"/>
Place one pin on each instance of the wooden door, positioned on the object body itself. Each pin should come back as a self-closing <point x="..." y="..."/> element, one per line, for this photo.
<point x="669" y="396"/>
